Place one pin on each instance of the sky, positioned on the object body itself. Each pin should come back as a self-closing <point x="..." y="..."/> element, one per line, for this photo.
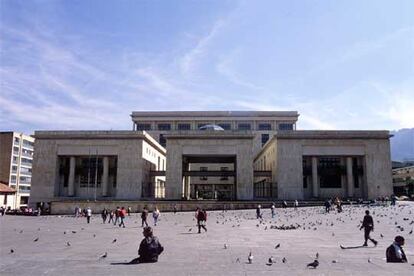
<point x="342" y="64"/>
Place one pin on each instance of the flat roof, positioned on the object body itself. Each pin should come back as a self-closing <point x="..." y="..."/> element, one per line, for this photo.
<point x="215" y="114"/>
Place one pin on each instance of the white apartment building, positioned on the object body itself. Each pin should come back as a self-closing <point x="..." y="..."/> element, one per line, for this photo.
<point x="16" y="158"/>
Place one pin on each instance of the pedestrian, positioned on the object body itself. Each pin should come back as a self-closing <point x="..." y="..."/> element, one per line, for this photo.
<point x="88" y="213"/>
<point x="117" y="213"/>
<point x="175" y="209"/>
<point x="129" y="211"/>
<point x="201" y="219"/>
<point x="284" y="204"/>
<point x="155" y="215"/>
<point x="111" y="216"/>
<point x="272" y="209"/>
<point x="368" y="225"/>
<point x="122" y="214"/>
<point x="327" y="206"/>
<point x="295" y="204"/>
<point x="76" y="211"/>
<point x="259" y="212"/>
<point x="395" y="252"/>
<point x="104" y="215"/>
<point x="149" y="249"/>
<point x="393" y="200"/>
<point x="2" y="210"/>
<point x="144" y="216"/>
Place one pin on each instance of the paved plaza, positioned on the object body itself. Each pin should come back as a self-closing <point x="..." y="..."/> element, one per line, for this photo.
<point x="68" y="246"/>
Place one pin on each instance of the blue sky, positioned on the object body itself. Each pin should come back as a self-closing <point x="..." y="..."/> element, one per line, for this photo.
<point x="88" y="64"/>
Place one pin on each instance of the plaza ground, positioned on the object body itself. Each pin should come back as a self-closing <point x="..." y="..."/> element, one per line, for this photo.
<point x="189" y="253"/>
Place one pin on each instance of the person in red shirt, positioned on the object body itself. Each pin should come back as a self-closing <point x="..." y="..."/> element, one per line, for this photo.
<point x="122" y="214"/>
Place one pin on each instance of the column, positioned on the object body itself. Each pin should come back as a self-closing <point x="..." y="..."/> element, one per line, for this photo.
<point x="71" y="184"/>
<point x="349" y="177"/>
<point x="105" y="174"/>
<point x="315" y="184"/>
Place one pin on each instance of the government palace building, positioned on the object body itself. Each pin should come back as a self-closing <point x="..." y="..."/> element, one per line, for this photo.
<point x="210" y="155"/>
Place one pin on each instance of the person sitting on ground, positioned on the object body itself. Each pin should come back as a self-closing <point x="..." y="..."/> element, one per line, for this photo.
<point x="149" y="249"/>
<point x="395" y="253"/>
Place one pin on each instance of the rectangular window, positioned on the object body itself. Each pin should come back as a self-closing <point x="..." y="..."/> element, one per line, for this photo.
<point x="225" y="126"/>
<point x="265" y="126"/>
<point x="224" y="169"/>
<point x="330" y="172"/>
<point x="285" y="126"/>
<point x="184" y="126"/>
<point x="265" y="138"/>
<point x="203" y="169"/>
<point x="163" y="141"/>
<point x="164" y="126"/>
<point x="143" y="127"/>
<point x="88" y="169"/>
<point x="243" y="126"/>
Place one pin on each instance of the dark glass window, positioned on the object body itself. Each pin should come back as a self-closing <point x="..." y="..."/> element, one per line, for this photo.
<point x="265" y="138"/>
<point x="203" y="169"/>
<point x="263" y="189"/>
<point x="265" y="126"/>
<point x="285" y="126"/>
<point x="143" y="126"/>
<point x="184" y="126"/>
<point x="330" y="172"/>
<point x="164" y="126"/>
<point x="224" y="177"/>
<point x="243" y="126"/>
<point x="225" y="126"/>
<point x="163" y="141"/>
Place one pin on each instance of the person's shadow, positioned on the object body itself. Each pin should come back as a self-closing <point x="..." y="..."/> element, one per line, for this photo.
<point x="132" y="262"/>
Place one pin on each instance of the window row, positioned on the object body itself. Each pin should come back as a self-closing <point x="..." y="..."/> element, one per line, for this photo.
<point x="225" y="126"/>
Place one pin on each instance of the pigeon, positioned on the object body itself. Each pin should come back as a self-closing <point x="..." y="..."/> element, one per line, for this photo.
<point x="68" y="243"/>
<point x="189" y="230"/>
<point x="314" y="264"/>
<point x="238" y="260"/>
<point x="104" y="255"/>
<point x="334" y="261"/>
<point x="11" y="251"/>
<point x="64" y="232"/>
<point x="74" y="232"/>
<point x="284" y="260"/>
<point x="382" y="236"/>
<point x="114" y="241"/>
<point x="94" y="235"/>
<point x="271" y="260"/>
<point x="250" y="258"/>
<point x="317" y="255"/>
<point x="369" y="260"/>
<point x="277" y="246"/>
<point x="21" y="231"/>
<point x="410" y="232"/>
<point x="35" y="240"/>
<point x="225" y="246"/>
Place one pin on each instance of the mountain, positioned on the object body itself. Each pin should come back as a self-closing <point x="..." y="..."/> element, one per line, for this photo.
<point x="402" y="144"/>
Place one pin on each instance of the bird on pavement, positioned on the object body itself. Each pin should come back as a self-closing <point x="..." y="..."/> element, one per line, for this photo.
<point x="68" y="243"/>
<point x="277" y="246"/>
<point x="114" y="241"/>
<point x="317" y="255"/>
<point x="35" y="240"/>
<point x="11" y="251"/>
<point x="250" y="258"/>
<point x="104" y="255"/>
<point x="225" y="246"/>
<point x="314" y="264"/>
<point x="284" y="260"/>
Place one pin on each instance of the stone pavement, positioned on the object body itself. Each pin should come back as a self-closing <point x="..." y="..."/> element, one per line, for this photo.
<point x="189" y="253"/>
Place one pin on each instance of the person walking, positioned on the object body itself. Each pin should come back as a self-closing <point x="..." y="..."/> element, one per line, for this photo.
<point x="175" y="209"/>
<point x="201" y="219"/>
<point x="295" y="204"/>
<point x="88" y="214"/>
<point x="144" y="216"/>
<point x="117" y="213"/>
<point x="122" y="214"/>
<point x="368" y="225"/>
<point x="111" y="216"/>
<point x="155" y="215"/>
<point x="104" y="215"/>
<point x="395" y="252"/>
<point x="259" y="212"/>
<point x="149" y="249"/>
<point x="272" y="210"/>
<point x="284" y="204"/>
<point x="327" y="206"/>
